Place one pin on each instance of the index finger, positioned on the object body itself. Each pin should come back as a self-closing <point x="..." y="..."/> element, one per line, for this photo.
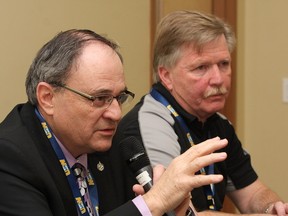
<point x="207" y="147"/>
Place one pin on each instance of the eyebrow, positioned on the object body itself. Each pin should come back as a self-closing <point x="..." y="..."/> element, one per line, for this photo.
<point x="105" y="91"/>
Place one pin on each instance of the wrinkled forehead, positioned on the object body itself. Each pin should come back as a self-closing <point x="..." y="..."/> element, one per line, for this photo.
<point x="199" y="45"/>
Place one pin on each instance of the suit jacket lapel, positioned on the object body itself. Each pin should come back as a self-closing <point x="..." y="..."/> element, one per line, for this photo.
<point x="99" y="165"/>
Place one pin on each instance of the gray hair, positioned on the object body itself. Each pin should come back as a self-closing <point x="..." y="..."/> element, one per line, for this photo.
<point x="55" y="59"/>
<point x="181" y="28"/>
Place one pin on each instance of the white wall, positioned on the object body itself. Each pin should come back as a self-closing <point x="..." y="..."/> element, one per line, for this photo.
<point x="262" y="117"/>
<point x="27" y="25"/>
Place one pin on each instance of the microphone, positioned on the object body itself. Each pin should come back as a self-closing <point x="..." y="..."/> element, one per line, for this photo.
<point x="137" y="159"/>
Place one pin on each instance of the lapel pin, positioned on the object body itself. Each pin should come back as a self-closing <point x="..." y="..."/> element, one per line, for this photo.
<point x="100" y="166"/>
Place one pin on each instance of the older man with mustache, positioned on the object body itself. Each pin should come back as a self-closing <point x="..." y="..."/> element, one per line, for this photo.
<point x="192" y="68"/>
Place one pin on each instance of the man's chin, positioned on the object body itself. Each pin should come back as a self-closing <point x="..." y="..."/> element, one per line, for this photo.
<point x="216" y="107"/>
<point x="102" y="146"/>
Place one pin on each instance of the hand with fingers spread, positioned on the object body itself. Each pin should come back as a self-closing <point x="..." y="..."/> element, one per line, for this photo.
<point x="174" y="185"/>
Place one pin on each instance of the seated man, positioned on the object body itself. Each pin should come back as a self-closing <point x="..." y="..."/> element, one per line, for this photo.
<point x="52" y="148"/>
<point x="192" y="70"/>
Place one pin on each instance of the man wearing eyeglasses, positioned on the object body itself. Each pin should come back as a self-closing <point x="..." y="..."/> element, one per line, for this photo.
<point x="52" y="149"/>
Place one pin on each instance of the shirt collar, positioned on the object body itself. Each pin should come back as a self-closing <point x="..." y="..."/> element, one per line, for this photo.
<point x="82" y="159"/>
<point x="189" y="118"/>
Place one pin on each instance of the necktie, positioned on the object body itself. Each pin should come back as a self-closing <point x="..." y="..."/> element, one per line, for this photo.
<point x="80" y="173"/>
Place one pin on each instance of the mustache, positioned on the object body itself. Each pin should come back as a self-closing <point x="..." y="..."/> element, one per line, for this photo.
<point x="215" y="91"/>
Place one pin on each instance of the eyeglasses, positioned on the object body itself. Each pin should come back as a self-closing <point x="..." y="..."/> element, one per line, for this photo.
<point x="104" y="100"/>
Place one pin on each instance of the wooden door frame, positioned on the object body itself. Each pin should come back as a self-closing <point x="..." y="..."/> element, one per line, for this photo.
<point x="227" y="10"/>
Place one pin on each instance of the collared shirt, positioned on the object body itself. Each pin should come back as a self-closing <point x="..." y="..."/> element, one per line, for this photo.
<point x="164" y="139"/>
<point x="82" y="159"/>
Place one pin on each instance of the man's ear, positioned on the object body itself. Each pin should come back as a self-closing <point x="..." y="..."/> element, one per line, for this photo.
<point x="165" y="77"/>
<point x="45" y="96"/>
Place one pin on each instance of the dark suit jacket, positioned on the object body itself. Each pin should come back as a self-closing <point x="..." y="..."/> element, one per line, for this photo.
<point x="32" y="181"/>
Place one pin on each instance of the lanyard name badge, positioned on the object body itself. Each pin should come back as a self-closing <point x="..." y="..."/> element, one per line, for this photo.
<point x="209" y="189"/>
<point x="71" y="178"/>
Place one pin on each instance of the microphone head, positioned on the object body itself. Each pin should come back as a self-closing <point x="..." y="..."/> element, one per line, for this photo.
<point x="134" y="153"/>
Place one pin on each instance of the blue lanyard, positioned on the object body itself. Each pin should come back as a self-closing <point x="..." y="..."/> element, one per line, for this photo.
<point x="71" y="178"/>
<point x="209" y="189"/>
